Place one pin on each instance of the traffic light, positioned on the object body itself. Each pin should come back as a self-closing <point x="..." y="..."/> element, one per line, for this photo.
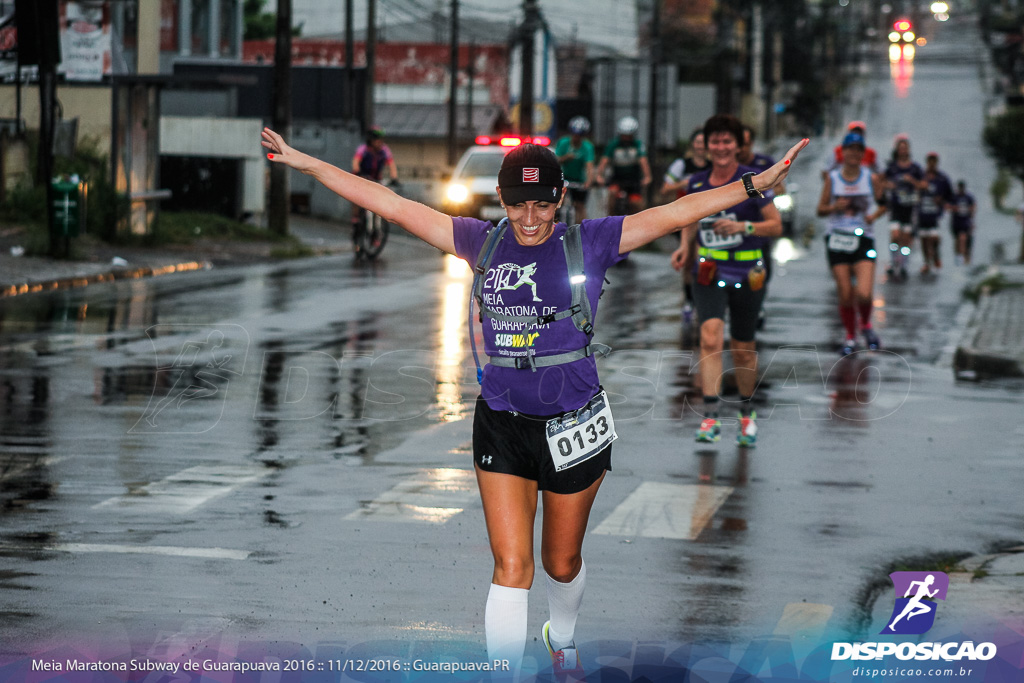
<point x="902" y="25"/>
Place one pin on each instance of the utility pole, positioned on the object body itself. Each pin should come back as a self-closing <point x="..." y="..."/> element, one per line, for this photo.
<point x="350" y="51"/>
<point x="453" y="85"/>
<point x="652" y="121"/>
<point x="531" y="22"/>
<point x="282" y="117"/>
<point x="757" y="53"/>
<point x="38" y="44"/>
<point x="470" y="74"/>
<point x="371" y="60"/>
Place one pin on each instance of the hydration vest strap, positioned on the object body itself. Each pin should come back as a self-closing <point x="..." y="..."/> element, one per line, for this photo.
<point x="572" y="243"/>
<point x="537" y="320"/>
<point x="483" y="260"/>
<point x="579" y="311"/>
<point x="534" y="362"/>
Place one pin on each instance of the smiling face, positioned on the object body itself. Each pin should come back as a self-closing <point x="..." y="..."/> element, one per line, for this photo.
<point x="722" y="148"/>
<point x="698" y="146"/>
<point x="533" y="222"/>
<point x="853" y="156"/>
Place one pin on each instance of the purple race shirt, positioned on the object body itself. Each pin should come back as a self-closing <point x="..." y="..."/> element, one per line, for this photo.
<point x="532" y="281"/>
<point x="747" y="210"/>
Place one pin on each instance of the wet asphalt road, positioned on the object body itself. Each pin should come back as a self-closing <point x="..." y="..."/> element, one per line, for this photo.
<point x="283" y="453"/>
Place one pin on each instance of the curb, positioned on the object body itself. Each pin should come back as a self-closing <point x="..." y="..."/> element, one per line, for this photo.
<point x="76" y="281"/>
<point x="980" y="354"/>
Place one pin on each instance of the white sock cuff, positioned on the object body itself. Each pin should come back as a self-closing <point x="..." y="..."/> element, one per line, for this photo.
<point x="581" y="577"/>
<point x="508" y="594"/>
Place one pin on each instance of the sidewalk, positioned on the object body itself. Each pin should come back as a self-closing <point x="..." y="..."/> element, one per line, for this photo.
<point x="992" y="343"/>
<point x="105" y="263"/>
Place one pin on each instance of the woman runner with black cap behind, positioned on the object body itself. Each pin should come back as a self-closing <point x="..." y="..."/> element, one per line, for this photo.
<point x="542" y="421"/>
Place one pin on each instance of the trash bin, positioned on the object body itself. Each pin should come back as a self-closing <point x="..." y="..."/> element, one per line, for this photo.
<point x="68" y="206"/>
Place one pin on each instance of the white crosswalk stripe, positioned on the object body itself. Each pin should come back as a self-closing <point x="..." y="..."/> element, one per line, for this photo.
<point x="432" y="496"/>
<point x="186" y="490"/>
<point x="657" y="510"/>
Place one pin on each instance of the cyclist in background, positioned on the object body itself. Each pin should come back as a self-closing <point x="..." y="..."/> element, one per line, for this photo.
<point x="369" y="161"/>
<point x="576" y="155"/>
<point x="626" y="155"/>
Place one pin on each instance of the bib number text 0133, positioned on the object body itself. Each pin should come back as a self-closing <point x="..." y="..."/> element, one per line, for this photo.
<point x="581" y="434"/>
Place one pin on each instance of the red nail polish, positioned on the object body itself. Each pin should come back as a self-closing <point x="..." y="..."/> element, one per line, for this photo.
<point x="271" y="156"/>
<point x="787" y="162"/>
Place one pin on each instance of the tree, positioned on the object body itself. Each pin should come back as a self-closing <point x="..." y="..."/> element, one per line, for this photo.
<point x="1003" y="138"/>
<point x="260" y="25"/>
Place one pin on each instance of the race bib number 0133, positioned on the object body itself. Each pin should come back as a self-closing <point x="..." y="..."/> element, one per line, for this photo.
<point x="581" y="434"/>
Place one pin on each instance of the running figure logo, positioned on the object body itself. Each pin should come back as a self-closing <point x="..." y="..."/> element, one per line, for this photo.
<point x="524" y="273"/>
<point x="914" y="612"/>
<point x="206" y="360"/>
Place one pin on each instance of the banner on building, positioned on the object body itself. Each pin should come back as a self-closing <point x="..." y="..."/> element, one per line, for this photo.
<point x="85" y="40"/>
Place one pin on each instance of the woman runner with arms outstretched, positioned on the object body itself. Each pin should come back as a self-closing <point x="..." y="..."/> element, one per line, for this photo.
<point x="522" y="440"/>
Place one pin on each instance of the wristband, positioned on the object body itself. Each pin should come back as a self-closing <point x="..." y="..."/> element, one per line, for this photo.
<point x="749" y="228"/>
<point x="748" y="185"/>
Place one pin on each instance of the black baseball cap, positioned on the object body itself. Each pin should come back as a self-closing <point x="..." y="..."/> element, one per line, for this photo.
<point x="530" y="173"/>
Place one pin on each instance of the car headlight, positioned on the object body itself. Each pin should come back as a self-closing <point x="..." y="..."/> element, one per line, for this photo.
<point x="457" y="194"/>
<point x="783" y="202"/>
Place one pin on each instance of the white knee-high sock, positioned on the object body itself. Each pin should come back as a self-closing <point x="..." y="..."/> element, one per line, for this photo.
<point x="564" y="601"/>
<point x="505" y="624"/>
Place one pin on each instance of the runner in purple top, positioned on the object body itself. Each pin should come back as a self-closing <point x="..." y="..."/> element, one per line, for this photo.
<point x="732" y="248"/>
<point x="542" y="423"/>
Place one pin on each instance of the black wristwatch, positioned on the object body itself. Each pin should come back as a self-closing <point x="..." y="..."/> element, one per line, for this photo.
<point x="748" y="185"/>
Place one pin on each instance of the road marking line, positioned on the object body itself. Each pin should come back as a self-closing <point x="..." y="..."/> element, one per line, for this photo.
<point x="803" y="618"/>
<point x="44" y="462"/>
<point x="657" y="510"/>
<point x="170" y="550"/>
<point x="186" y="490"/>
<point x="432" y="496"/>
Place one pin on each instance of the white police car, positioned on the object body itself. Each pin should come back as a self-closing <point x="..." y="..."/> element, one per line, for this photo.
<point x="472" y="190"/>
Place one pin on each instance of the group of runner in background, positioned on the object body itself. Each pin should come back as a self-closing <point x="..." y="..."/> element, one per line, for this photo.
<point x="858" y="189"/>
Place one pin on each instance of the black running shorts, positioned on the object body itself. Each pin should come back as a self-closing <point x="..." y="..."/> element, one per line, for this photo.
<point x="743" y="304"/>
<point x="865" y="252"/>
<point x="516" y="444"/>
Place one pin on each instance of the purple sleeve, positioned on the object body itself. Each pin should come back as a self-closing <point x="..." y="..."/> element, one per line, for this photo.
<point x="601" y="239"/>
<point x="387" y="153"/>
<point x="469" y="237"/>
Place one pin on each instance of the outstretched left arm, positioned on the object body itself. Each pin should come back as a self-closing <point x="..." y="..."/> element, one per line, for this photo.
<point x="646" y="226"/>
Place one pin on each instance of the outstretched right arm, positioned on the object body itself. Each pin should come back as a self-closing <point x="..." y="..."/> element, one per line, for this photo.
<point x="433" y="227"/>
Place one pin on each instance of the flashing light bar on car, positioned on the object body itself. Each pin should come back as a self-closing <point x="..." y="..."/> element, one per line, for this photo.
<point x="512" y="140"/>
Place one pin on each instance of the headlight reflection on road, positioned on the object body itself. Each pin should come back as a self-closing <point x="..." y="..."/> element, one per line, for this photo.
<point x="451" y="352"/>
<point x="901" y="68"/>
